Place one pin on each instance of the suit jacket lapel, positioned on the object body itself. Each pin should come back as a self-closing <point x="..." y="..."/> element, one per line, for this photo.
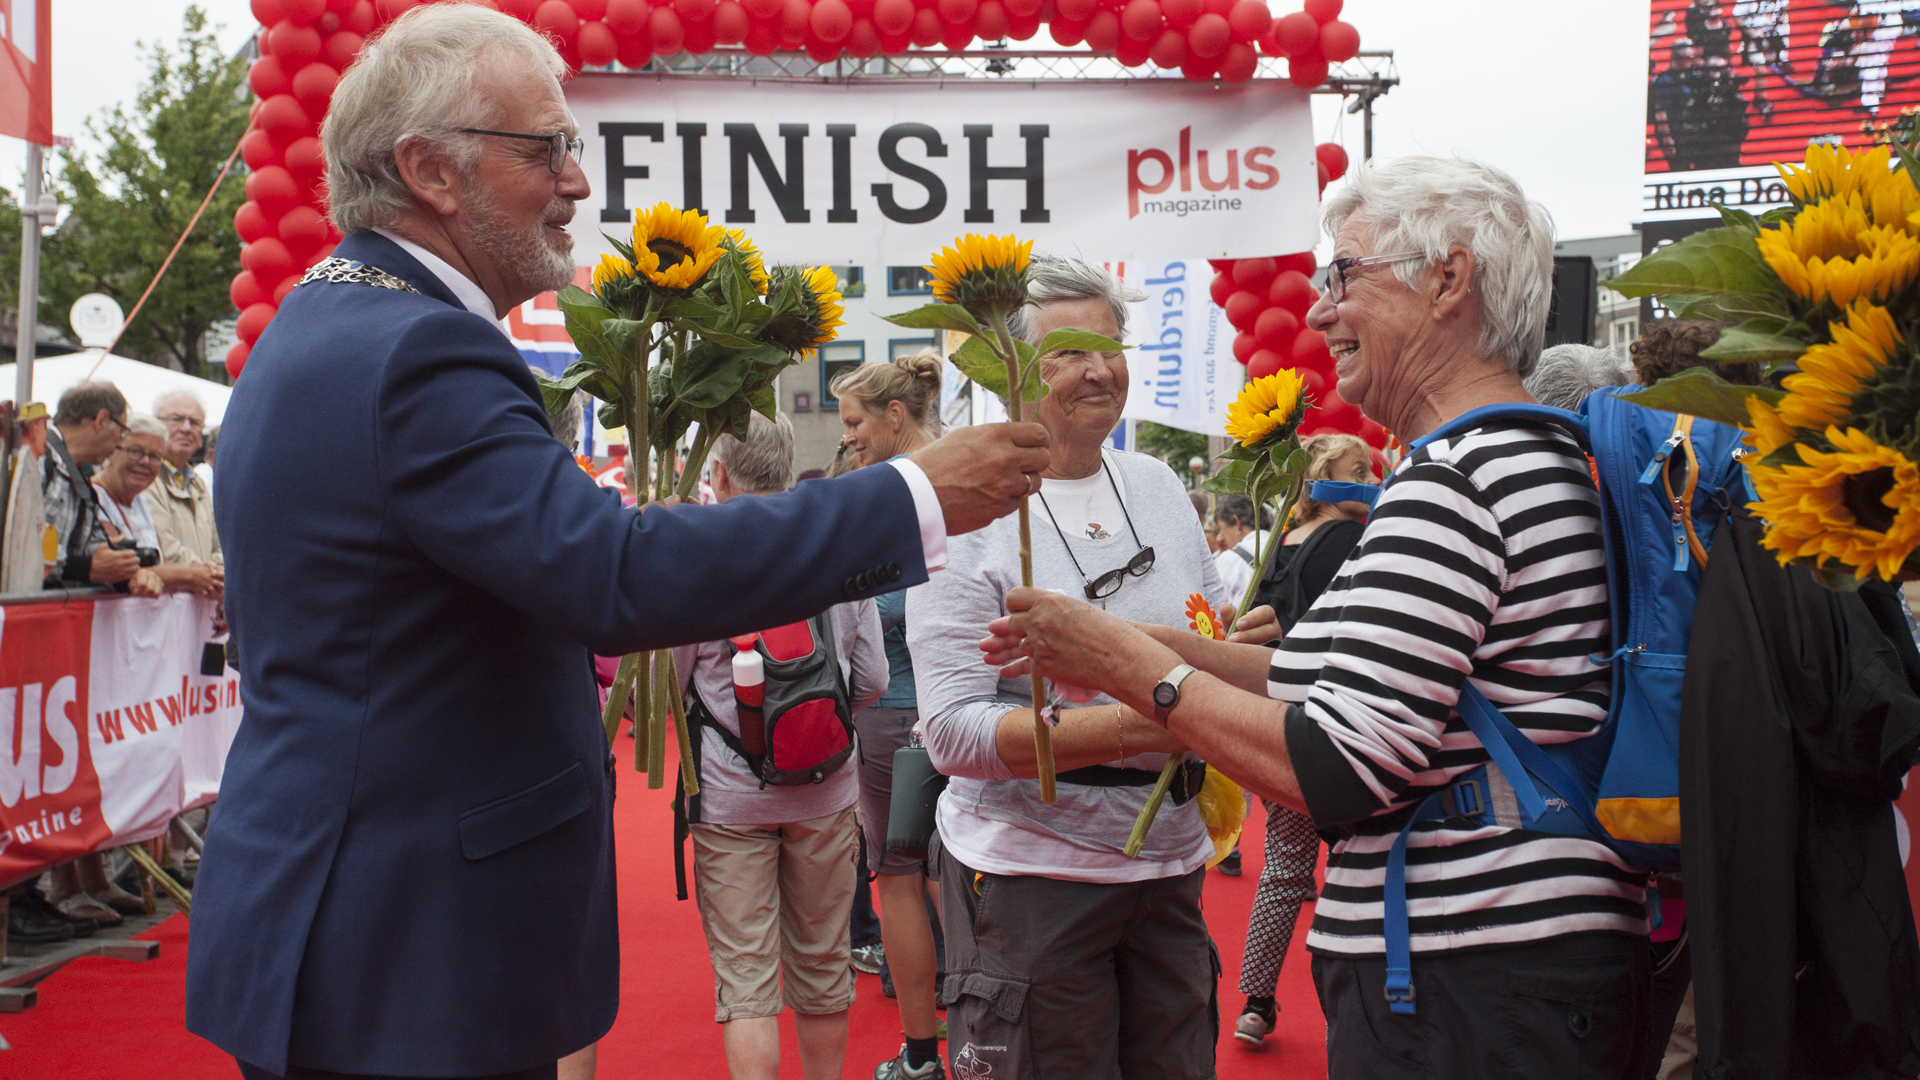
<point x="376" y="250"/>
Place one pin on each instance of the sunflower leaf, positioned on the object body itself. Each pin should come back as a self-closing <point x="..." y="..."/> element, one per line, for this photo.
<point x="765" y="401"/>
<point x="720" y="337"/>
<point x="692" y="307"/>
<point x="1073" y="340"/>
<point x="977" y="362"/>
<point x="708" y="375"/>
<point x="1699" y="392"/>
<point x="1768" y="311"/>
<point x="1834" y="580"/>
<point x="1758" y="339"/>
<point x="1713" y="262"/>
<point x="1231" y="478"/>
<point x="1737" y="218"/>
<point x="937" y="317"/>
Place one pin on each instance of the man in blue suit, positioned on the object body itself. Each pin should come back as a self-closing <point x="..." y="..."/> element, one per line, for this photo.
<point x="411" y="870"/>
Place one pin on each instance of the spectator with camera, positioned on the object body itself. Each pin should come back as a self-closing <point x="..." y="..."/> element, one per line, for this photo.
<point x="129" y="471"/>
<point x="88" y="423"/>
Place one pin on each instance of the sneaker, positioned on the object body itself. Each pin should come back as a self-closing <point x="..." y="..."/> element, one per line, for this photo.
<point x="1230" y="865"/>
<point x="896" y="1069"/>
<point x="869" y="959"/>
<point x="1256" y="1021"/>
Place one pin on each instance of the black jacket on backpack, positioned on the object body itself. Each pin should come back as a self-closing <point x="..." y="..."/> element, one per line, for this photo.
<point x="1798" y="725"/>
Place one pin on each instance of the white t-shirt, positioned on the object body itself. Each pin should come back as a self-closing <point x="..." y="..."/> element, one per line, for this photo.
<point x="135" y="521"/>
<point x="1235" y="567"/>
<point x="1090" y="511"/>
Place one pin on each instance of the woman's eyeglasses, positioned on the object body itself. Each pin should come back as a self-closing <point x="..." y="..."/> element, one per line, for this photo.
<point x="1337" y="280"/>
<point x="139" y="455"/>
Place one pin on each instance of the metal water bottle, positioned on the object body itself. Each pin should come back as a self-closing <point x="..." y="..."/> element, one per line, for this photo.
<point x="749" y="694"/>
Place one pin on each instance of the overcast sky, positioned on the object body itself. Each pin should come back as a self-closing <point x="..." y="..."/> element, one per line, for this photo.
<point x="1553" y="91"/>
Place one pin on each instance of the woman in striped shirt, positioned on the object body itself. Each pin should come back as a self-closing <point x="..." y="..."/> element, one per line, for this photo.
<point x="1482" y="561"/>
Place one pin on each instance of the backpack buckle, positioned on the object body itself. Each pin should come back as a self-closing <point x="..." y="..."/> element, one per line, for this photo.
<point x="1399" y="991"/>
<point x="1463" y="798"/>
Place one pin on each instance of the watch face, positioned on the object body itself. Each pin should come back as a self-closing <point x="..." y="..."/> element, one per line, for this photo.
<point x="1165" y="695"/>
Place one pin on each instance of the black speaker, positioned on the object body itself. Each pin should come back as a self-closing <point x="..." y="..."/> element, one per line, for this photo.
<point x="1570" y="315"/>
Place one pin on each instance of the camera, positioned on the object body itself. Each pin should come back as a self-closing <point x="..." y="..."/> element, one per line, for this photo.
<point x="148" y="556"/>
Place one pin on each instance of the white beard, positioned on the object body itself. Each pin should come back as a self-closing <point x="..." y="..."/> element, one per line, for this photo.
<point x="535" y="261"/>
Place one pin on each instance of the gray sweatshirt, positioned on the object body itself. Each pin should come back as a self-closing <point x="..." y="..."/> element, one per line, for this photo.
<point x="991" y="821"/>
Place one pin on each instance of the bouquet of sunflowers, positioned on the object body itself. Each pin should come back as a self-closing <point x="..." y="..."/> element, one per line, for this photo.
<point x="685" y="325"/>
<point x="1824" y="290"/>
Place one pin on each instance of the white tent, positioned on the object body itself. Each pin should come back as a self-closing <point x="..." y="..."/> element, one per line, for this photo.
<point x="141" y="383"/>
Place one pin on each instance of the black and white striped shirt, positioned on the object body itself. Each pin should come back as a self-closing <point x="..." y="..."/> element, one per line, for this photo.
<point x="1482" y="559"/>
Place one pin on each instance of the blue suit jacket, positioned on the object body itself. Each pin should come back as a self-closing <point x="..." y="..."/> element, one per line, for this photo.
<point x="410" y="870"/>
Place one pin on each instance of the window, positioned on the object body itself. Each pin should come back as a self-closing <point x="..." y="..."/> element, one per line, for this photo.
<point x="1621" y="333"/>
<point x="851" y="282"/>
<point x="909" y="281"/>
<point x="899" y="347"/>
<point x="834" y="359"/>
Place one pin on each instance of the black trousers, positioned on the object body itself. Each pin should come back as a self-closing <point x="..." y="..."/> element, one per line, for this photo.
<point x="1570" y="1007"/>
<point x="295" y="1072"/>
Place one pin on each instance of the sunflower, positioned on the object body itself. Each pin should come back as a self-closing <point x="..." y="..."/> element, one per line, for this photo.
<point x="813" y="315"/>
<point x="982" y="273"/>
<point x="750" y="256"/>
<point x="1822" y="392"/>
<point x="1223" y="809"/>
<point x="1268" y="409"/>
<point x="1818" y="258"/>
<point x="1858" y="505"/>
<point x="1886" y="194"/>
<point x="1202" y="620"/>
<point x="612" y="272"/>
<point x="674" y="249"/>
<point x="1766" y="431"/>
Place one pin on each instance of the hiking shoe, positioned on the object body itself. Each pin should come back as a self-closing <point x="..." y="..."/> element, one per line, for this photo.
<point x="1230" y="865"/>
<point x="1256" y="1021"/>
<point x="896" y="1069"/>
<point x="869" y="959"/>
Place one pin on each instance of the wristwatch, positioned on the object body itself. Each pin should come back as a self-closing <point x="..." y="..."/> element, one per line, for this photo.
<point x="1166" y="693"/>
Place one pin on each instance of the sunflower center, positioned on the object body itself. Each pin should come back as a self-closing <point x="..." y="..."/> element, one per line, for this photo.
<point x="1861" y="494"/>
<point x="670" y="252"/>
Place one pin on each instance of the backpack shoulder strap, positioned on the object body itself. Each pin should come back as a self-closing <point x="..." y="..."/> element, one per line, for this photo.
<point x="1571" y="423"/>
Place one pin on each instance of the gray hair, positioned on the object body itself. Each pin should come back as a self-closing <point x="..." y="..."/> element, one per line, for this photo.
<point x="416" y="79"/>
<point x="146" y="424"/>
<point x="764" y="463"/>
<point x="180" y="392"/>
<point x="566" y="426"/>
<point x="1566" y="374"/>
<point x="1429" y="204"/>
<point x="1058" y="277"/>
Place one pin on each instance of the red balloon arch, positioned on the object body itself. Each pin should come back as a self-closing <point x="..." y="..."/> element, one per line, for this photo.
<point x="305" y="44"/>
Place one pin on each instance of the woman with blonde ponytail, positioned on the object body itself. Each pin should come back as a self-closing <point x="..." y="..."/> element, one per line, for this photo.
<point x="890" y="409"/>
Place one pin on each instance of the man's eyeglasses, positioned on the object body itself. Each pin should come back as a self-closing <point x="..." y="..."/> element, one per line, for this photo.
<point x="559" y="147"/>
<point x="181" y="420"/>
<point x="1337" y="280"/>
<point x="139" y="455"/>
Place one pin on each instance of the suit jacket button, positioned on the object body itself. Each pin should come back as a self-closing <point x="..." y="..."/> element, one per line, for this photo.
<point x="893" y="571"/>
<point x="851" y="586"/>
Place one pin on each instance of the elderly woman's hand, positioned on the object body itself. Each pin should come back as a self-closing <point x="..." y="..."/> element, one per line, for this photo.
<point x="1074" y="643"/>
<point x="1257" y="627"/>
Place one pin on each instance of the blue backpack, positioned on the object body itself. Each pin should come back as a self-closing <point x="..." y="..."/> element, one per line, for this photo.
<point x="1665" y="483"/>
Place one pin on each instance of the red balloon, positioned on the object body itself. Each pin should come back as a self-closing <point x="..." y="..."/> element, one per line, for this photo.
<point x="956" y="11"/>
<point x="763" y="37"/>
<point x="893" y="17"/>
<point x="1209" y="37"/>
<point x="822" y="52"/>
<point x="1275" y="328"/>
<point x="1263" y="363"/>
<point x="1302" y="262"/>
<point x="1307" y="72"/>
<point x="303" y="228"/>
<point x="956" y="36"/>
<point x="1267" y="43"/>
<point x="313" y="87"/>
<point x="245" y="290"/>
<point x="1310" y="349"/>
<point x="1244" y="346"/>
<point x="1222" y="287"/>
<point x="1180" y="13"/>
<point x="589" y="10"/>
<point x="730" y="22"/>
<point x="1103" y="31"/>
<point x="1334" y="157"/>
<point x="342" y="48"/>
<point x="1023" y="9"/>
<point x="695" y="10"/>
<point x="1238" y="63"/>
<point x="1249" y="19"/>
<point x="795" y="17"/>
<point x="1325" y="178"/>
<point x="286" y="286"/>
<point x="927" y="28"/>
<point x="1339" y="41"/>
<point x="1292" y="290"/>
<point x="251" y="222"/>
<point x="302" y="12"/>
<point x="664" y="27"/>
<point x="1067" y="32"/>
<point x="267" y="12"/>
<point x="1217" y="7"/>
<point x="628" y="17"/>
<point x="268" y="258"/>
<point x="1198" y="68"/>
<point x="1131" y="53"/>
<point x="306" y="160"/>
<point x="294" y="46"/>
<point x="556" y="17"/>
<point x="1323" y="11"/>
<point x="1297" y="33"/>
<point x="237" y="358"/>
<point x="252" y="321"/>
<point x="360" y="18"/>
<point x="1243" y="308"/>
<point x="697" y="37"/>
<point x="1074" y="10"/>
<point x="267" y="77"/>
<point x="990" y="21"/>
<point x="258" y="151"/>
<point x="385" y="11"/>
<point x="597" y="44"/>
<point x="1313" y="381"/>
<point x="1254" y="275"/>
<point x="1142" y="20"/>
<point x="830" y="20"/>
<point x="863" y="40"/>
<point x="1169" y="49"/>
<point x="283" y="118"/>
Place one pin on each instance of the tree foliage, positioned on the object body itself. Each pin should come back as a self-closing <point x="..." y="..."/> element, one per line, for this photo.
<point x="1171" y="445"/>
<point x="131" y="202"/>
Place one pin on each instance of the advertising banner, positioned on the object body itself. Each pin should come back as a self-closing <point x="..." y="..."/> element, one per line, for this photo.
<point x="1736" y="84"/>
<point x="888" y="173"/>
<point x="1181" y="369"/>
<point x="26" y="79"/>
<point x="107" y="727"/>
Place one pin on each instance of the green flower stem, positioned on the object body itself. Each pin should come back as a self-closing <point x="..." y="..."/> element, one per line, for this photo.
<point x="1148" y="812"/>
<point x="696" y="460"/>
<point x="642" y="706"/>
<point x="1265" y="560"/>
<point x="619" y="694"/>
<point x="1016" y="387"/>
<point x="687" y="777"/>
<point x="664" y="687"/>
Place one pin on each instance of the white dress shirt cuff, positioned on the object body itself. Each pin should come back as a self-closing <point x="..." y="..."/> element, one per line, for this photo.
<point x="933" y="523"/>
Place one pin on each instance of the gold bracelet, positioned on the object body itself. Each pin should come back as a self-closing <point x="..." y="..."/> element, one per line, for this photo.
<point x="1119" y="739"/>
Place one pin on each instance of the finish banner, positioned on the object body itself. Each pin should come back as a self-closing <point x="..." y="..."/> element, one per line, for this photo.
<point x="888" y="173"/>
<point x="107" y="727"/>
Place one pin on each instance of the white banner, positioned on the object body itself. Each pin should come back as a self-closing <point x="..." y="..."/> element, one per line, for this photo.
<point x="888" y="173"/>
<point x="1181" y="370"/>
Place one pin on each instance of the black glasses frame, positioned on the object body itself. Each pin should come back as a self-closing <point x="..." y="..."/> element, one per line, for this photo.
<point x="559" y="147"/>
<point x="1108" y="583"/>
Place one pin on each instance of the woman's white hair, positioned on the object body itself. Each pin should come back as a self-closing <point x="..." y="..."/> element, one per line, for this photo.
<point x="1429" y="204"/>
<point x="1052" y="278"/>
<point x="146" y="424"/>
<point x="416" y="80"/>
<point x="1566" y="374"/>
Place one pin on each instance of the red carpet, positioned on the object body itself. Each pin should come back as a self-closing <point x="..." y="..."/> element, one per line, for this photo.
<point x="108" y="1020"/>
